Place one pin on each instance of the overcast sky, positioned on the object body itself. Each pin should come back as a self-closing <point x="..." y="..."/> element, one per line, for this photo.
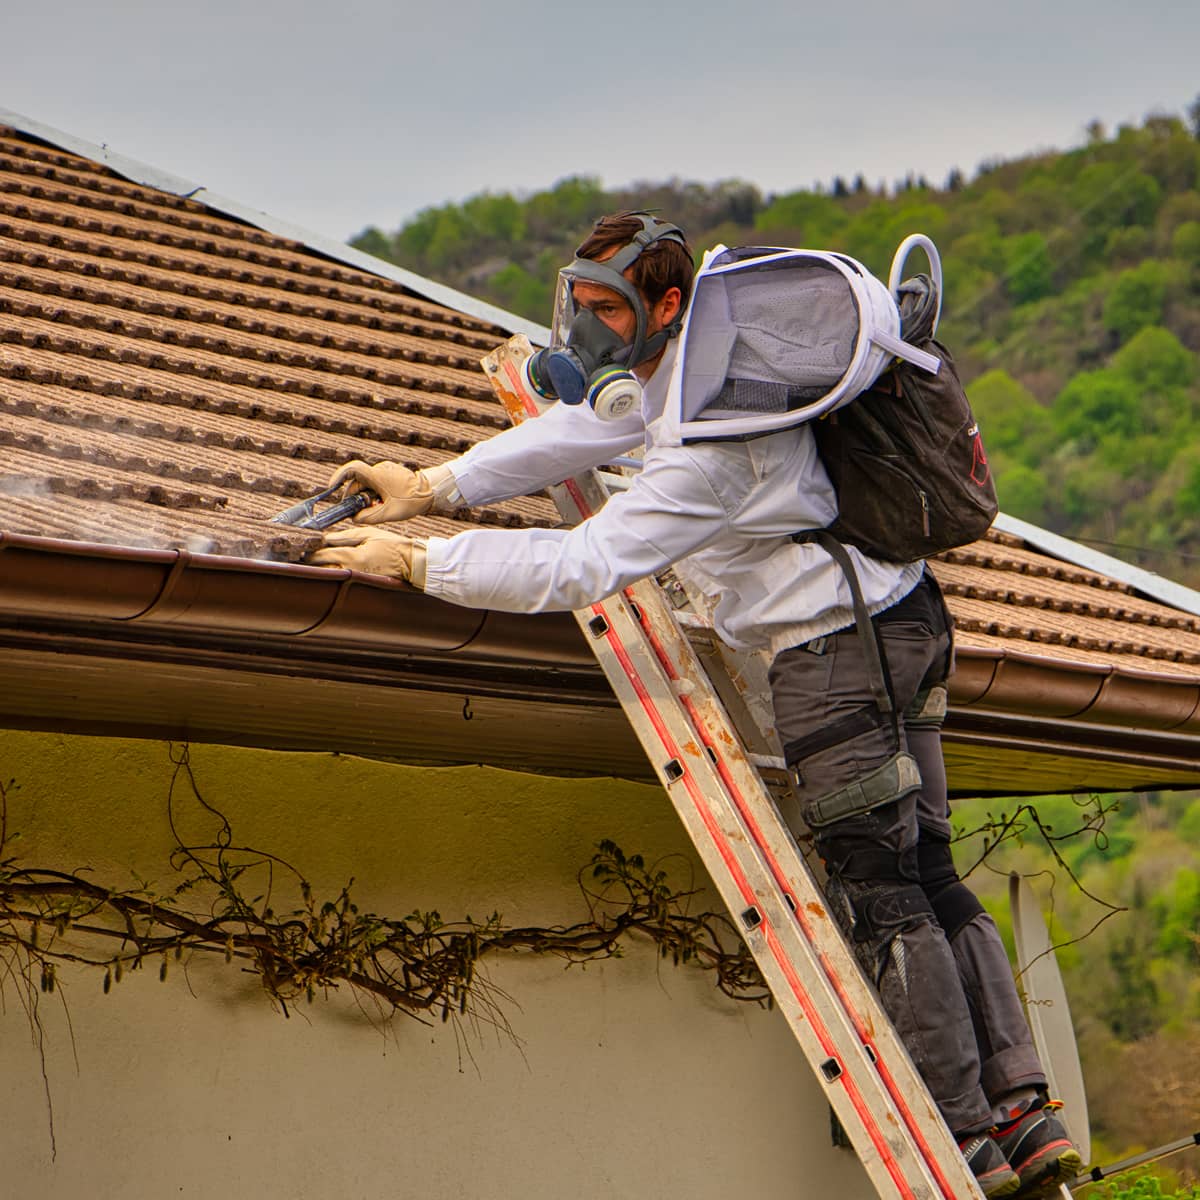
<point x="348" y="113"/>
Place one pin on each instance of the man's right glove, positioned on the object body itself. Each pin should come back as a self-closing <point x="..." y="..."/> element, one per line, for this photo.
<point x="374" y="552"/>
<point x="402" y="493"/>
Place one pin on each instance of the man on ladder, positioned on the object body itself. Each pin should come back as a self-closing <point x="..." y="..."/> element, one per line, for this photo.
<point x="722" y="512"/>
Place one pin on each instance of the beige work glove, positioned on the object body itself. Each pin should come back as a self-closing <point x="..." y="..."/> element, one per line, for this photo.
<point x="374" y="552"/>
<point x="402" y="493"/>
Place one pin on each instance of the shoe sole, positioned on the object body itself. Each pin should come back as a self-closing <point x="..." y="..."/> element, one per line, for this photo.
<point x="1009" y="1188"/>
<point x="1043" y="1172"/>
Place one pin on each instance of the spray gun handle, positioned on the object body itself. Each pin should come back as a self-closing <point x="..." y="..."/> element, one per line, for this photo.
<point x="339" y="511"/>
<point x="305" y="516"/>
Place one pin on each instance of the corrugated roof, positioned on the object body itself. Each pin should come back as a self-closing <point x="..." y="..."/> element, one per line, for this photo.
<point x="172" y="376"/>
<point x="186" y="375"/>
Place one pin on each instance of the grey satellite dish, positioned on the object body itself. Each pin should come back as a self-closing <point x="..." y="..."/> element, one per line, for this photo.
<point x="1049" y="1015"/>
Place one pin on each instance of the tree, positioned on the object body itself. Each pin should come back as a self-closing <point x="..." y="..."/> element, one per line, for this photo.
<point x="1155" y="362"/>
<point x="1188" y="826"/>
<point x="1094" y="405"/>
<point x="449" y="243"/>
<point x="412" y="239"/>
<point x="1127" y="246"/>
<point x="1109" y="195"/>
<point x="571" y="205"/>
<point x="814" y="219"/>
<point x="1022" y="493"/>
<point x="1185" y="244"/>
<point x="1028" y="274"/>
<point x="736" y="201"/>
<point x="373" y="241"/>
<point x="515" y="289"/>
<point x="495" y="218"/>
<point x="1136" y="299"/>
<point x="1177" y="910"/>
<point x="1193" y="115"/>
<point x="1132" y="1004"/>
<point x="875" y="232"/>
<point x="1014" y="424"/>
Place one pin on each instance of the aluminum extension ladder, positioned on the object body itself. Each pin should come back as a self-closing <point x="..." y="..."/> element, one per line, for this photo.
<point x="703" y="762"/>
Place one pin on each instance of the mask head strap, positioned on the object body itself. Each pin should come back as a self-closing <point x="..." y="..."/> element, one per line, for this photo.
<point x="653" y="230"/>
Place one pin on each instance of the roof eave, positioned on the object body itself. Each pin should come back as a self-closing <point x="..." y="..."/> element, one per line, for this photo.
<point x="238" y="602"/>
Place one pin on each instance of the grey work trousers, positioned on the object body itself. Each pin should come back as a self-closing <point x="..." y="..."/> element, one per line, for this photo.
<point x="949" y="993"/>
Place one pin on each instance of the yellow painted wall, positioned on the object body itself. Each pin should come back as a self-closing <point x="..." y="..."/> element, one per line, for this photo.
<point x="630" y="1077"/>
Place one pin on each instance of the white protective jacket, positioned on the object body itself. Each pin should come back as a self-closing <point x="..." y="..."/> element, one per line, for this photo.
<point x="721" y="512"/>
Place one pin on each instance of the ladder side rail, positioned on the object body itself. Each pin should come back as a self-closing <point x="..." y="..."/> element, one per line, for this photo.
<point x="793" y="873"/>
<point x="794" y="879"/>
<point x="842" y="1062"/>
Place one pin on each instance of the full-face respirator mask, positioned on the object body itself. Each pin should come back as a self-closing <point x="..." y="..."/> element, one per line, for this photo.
<point x="586" y="360"/>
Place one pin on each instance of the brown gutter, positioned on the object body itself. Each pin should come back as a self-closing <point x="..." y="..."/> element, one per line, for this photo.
<point x="171" y="598"/>
<point x="174" y="590"/>
<point x="1015" y="681"/>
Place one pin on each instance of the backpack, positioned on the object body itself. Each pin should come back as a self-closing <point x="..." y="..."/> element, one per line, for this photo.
<point x="906" y="459"/>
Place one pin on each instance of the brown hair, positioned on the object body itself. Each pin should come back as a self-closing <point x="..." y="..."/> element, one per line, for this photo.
<point x="660" y="267"/>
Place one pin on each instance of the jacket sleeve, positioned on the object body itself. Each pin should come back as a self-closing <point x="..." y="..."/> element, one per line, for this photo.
<point x="671" y="510"/>
<point x="563" y="441"/>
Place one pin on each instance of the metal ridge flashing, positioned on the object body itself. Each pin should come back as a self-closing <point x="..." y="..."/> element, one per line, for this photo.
<point x="1145" y="582"/>
<point x="164" y="181"/>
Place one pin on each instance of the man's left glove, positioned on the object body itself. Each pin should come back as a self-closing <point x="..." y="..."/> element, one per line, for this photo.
<point x="374" y="552"/>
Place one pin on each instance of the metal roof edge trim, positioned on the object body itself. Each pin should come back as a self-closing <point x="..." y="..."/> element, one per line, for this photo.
<point x="1147" y="582"/>
<point x="164" y="181"/>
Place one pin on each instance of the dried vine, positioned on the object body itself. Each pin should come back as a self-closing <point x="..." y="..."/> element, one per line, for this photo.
<point x="256" y="910"/>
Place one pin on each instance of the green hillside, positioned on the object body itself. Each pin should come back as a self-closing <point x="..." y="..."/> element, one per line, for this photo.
<point x="1072" y="305"/>
<point x="1120" y="882"/>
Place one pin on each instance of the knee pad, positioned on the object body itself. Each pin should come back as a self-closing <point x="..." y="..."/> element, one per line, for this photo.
<point x="953" y="903"/>
<point x="893" y="780"/>
<point x="869" y="865"/>
<point x="882" y="912"/>
<point x="955" y="906"/>
<point x="935" y="863"/>
<point x="929" y="707"/>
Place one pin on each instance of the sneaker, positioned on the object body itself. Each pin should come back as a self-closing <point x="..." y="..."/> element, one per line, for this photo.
<point x="1038" y="1149"/>
<point x="990" y="1167"/>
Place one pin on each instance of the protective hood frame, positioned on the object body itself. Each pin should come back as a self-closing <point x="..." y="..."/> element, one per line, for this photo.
<point x="712" y="335"/>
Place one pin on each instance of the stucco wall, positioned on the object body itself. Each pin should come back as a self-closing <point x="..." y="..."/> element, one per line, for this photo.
<point x="630" y="1078"/>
